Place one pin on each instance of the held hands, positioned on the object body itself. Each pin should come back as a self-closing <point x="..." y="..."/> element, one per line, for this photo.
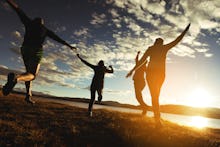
<point x="129" y="74"/>
<point x="73" y="48"/>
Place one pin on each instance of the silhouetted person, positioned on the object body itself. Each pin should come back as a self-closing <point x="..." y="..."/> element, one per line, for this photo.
<point x="156" y="69"/>
<point x="31" y="50"/>
<point x="97" y="81"/>
<point x="139" y="83"/>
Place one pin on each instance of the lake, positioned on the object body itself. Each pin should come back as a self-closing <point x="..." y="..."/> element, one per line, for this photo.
<point x="193" y="121"/>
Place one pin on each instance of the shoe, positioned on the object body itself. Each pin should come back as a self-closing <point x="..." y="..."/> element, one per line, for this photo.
<point x="8" y="87"/>
<point x="90" y="113"/>
<point x="29" y="100"/>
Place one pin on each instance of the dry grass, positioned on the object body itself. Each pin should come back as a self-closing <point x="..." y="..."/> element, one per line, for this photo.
<point x="50" y="124"/>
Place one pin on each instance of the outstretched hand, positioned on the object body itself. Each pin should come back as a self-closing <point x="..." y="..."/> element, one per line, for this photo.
<point x="129" y="74"/>
<point x="188" y="26"/>
<point x="78" y="55"/>
<point x="73" y="48"/>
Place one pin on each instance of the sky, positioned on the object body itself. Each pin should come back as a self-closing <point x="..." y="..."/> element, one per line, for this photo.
<point x="113" y="31"/>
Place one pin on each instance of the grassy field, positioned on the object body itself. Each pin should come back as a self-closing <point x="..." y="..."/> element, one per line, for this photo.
<point x="50" y="124"/>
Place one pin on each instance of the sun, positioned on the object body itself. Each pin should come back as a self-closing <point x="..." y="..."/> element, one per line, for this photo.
<point x="199" y="97"/>
<point x="198" y="122"/>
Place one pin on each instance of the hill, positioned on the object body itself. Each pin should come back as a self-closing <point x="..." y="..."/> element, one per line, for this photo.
<point x="171" y="108"/>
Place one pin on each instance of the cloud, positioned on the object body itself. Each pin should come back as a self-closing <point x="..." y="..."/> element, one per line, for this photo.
<point x="16" y="42"/>
<point x="17" y="35"/>
<point x="4" y="70"/>
<point x="60" y="29"/>
<point x="135" y="24"/>
<point x="201" y="13"/>
<point x="81" y="32"/>
<point x="15" y="49"/>
<point x="208" y="55"/>
<point x="154" y="7"/>
<point x="183" y="51"/>
<point x="98" y="19"/>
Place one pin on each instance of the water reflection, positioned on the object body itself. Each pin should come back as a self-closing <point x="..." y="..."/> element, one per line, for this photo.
<point x="198" y="122"/>
<point x="193" y="121"/>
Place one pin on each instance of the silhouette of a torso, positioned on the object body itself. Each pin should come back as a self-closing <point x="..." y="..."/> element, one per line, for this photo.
<point x="98" y="78"/>
<point x="157" y="63"/>
<point x="35" y="35"/>
<point x="139" y="73"/>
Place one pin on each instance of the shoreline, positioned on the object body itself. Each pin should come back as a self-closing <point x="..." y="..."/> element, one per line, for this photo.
<point x="169" y="108"/>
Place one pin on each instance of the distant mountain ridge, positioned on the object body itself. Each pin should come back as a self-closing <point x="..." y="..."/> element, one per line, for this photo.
<point x="170" y="108"/>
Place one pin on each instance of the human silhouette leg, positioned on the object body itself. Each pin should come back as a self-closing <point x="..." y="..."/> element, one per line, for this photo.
<point x="99" y="91"/>
<point x="91" y="102"/>
<point x="155" y="101"/>
<point x="32" y="69"/>
<point x="28" y="98"/>
<point x="155" y="84"/>
<point x="138" y="94"/>
<point x="11" y="82"/>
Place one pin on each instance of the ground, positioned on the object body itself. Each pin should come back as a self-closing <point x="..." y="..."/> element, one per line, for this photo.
<point x="51" y="124"/>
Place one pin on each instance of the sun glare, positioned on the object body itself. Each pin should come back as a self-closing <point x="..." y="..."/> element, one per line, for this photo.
<point x="198" y="122"/>
<point x="199" y="98"/>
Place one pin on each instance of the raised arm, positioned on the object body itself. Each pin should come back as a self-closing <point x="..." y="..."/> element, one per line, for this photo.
<point x="111" y="70"/>
<point x="142" y="61"/>
<point x="23" y="17"/>
<point x="178" y="39"/>
<point x="137" y="57"/>
<point x="52" y="35"/>
<point x="85" y="62"/>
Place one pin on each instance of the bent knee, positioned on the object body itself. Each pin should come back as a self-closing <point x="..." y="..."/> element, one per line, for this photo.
<point x="32" y="75"/>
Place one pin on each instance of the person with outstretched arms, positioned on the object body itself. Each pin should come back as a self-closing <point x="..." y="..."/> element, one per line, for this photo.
<point x="97" y="82"/>
<point x="31" y="51"/>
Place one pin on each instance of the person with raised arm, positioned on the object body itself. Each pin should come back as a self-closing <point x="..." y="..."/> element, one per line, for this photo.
<point x="139" y="84"/>
<point x="31" y="51"/>
<point x="97" y="81"/>
<point x="156" y="69"/>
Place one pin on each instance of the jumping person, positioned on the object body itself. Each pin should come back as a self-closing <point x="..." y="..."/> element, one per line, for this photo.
<point x="139" y="83"/>
<point x="31" y="51"/>
<point x="156" y="69"/>
<point x="97" y="81"/>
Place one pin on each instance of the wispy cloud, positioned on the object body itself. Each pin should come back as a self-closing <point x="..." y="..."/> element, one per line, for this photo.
<point x="134" y="25"/>
<point x="98" y="19"/>
<point x="4" y="70"/>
